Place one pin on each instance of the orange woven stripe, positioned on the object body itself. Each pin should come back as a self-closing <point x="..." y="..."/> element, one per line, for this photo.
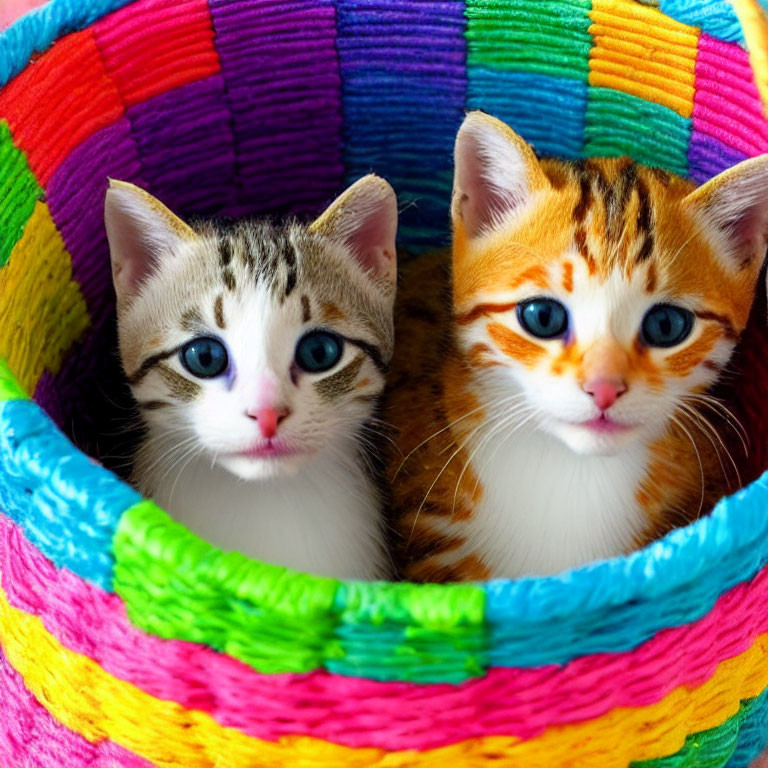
<point x="640" y="51"/>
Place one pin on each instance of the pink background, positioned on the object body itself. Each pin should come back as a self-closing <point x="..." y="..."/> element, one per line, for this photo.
<point x="12" y="9"/>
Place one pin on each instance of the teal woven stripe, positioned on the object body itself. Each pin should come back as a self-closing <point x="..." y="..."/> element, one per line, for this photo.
<point x="717" y="747"/>
<point x="37" y="31"/>
<point x="619" y="124"/>
<point x="753" y="735"/>
<point x="548" y="37"/>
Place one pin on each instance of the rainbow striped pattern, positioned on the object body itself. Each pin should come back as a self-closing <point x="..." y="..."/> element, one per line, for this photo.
<point x="127" y="641"/>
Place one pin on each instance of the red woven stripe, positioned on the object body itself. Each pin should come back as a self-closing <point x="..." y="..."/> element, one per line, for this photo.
<point x="59" y="101"/>
<point x="154" y="46"/>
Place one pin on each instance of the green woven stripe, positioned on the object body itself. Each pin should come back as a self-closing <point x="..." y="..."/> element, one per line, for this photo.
<point x="709" y="749"/>
<point x="19" y="191"/>
<point x="620" y="124"/>
<point x="176" y="586"/>
<point x="10" y="389"/>
<point x="544" y="36"/>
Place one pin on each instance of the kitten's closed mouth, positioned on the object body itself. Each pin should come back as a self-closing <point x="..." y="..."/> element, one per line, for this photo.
<point x="269" y="450"/>
<point x="605" y="425"/>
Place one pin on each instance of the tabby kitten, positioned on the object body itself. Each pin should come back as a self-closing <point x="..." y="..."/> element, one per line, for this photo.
<point x="257" y="355"/>
<point x="551" y="398"/>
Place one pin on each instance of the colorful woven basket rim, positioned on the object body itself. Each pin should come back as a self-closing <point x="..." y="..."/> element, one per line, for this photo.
<point x="736" y="523"/>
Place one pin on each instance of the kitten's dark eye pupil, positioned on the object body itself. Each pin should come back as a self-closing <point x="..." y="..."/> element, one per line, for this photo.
<point x="319" y="351"/>
<point x="205" y="358"/>
<point x="543" y="318"/>
<point x="666" y="325"/>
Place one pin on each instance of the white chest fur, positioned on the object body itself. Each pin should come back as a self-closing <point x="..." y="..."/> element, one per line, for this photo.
<point x="545" y="509"/>
<point x="323" y="520"/>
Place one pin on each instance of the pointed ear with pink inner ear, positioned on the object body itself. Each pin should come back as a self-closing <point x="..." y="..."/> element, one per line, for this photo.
<point x="736" y="202"/>
<point x="364" y="220"/>
<point x="142" y="232"/>
<point x="496" y="173"/>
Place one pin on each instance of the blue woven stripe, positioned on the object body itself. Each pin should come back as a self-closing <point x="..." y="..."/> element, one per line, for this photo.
<point x="625" y="601"/>
<point x="38" y="30"/>
<point x="715" y="17"/>
<point x="403" y="98"/>
<point x="68" y="507"/>
<point x="753" y="735"/>
<point x="548" y="112"/>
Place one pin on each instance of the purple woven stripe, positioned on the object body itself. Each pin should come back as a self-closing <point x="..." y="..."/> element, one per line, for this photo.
<point x="30" y="737"/>
<point x="76" y="198"/>
<point x="708" y="156"/>
<point x="279" y="63"/>
<point x="403" y="68"/>
<point x="184" y="139"/>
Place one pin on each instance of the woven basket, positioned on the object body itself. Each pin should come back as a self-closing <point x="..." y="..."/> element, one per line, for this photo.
<point x="127" y="641"/>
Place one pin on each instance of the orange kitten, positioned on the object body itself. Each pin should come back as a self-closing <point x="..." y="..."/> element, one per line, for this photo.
<point x="551" y="401"/>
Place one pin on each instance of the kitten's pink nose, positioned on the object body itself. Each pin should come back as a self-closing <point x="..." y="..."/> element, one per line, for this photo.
<point x="605" y="392"/>
<point x="268" y="419"/>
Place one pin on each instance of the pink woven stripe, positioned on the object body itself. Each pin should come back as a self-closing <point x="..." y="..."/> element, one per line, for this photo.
<point x="360" y="713"/>
<point x="30" y="737"/>
<point x="727" y="104"/>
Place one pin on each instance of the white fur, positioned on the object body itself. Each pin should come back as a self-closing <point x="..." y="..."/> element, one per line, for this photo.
<point x="546" y="508"/>
<point x="323" y="519"/>
<point x="557" y="494"/>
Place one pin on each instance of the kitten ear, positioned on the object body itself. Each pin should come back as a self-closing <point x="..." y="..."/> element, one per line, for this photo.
<point x="141" y="233"/>
<point x="364" y="219"/>
<point x="736" y="202"/>
<point x="496" y="172"/>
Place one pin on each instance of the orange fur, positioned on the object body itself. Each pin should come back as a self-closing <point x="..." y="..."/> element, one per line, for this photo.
<point x="590" y="222"/>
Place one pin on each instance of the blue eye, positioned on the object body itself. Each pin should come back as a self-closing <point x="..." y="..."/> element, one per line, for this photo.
<point x="666" y="326"/>
<point x="543" y="318"/>
<point x="205" y="358"/>
<point x="319" y="351"/>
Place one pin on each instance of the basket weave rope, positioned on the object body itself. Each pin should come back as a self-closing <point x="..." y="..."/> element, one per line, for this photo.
<point x="127" y="641"/>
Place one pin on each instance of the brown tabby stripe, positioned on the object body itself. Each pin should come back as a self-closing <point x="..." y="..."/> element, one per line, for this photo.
<point x="228" y="276"/>
<point x="644" y="222"/>
<point x="585" y="199"/>
<point x="306" y="310"/>
<point x="728" y="330"/>
<point x="373" y="352"/>
<point x="148" y="364"/>
<point x="180" y="386"/>
<point x="580" y="239"/>
<point x="153" y="405"/>
<point x="340" y="383"/>
<point x="225" y="252"/>
<point x="289" y="256"/>
<point x="191" y="320"/>
<point x="650" y="280"/>
<point x="482" y="310"/>
<point x="218" y="312"/>
<point x="663" y="177"/>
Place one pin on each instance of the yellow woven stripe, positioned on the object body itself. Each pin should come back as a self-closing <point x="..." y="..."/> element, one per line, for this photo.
<point x="755" y="27"/>
<point x="87" y="700"/>
<point x="640" y="51"/>
<point x="42" y="311"/>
